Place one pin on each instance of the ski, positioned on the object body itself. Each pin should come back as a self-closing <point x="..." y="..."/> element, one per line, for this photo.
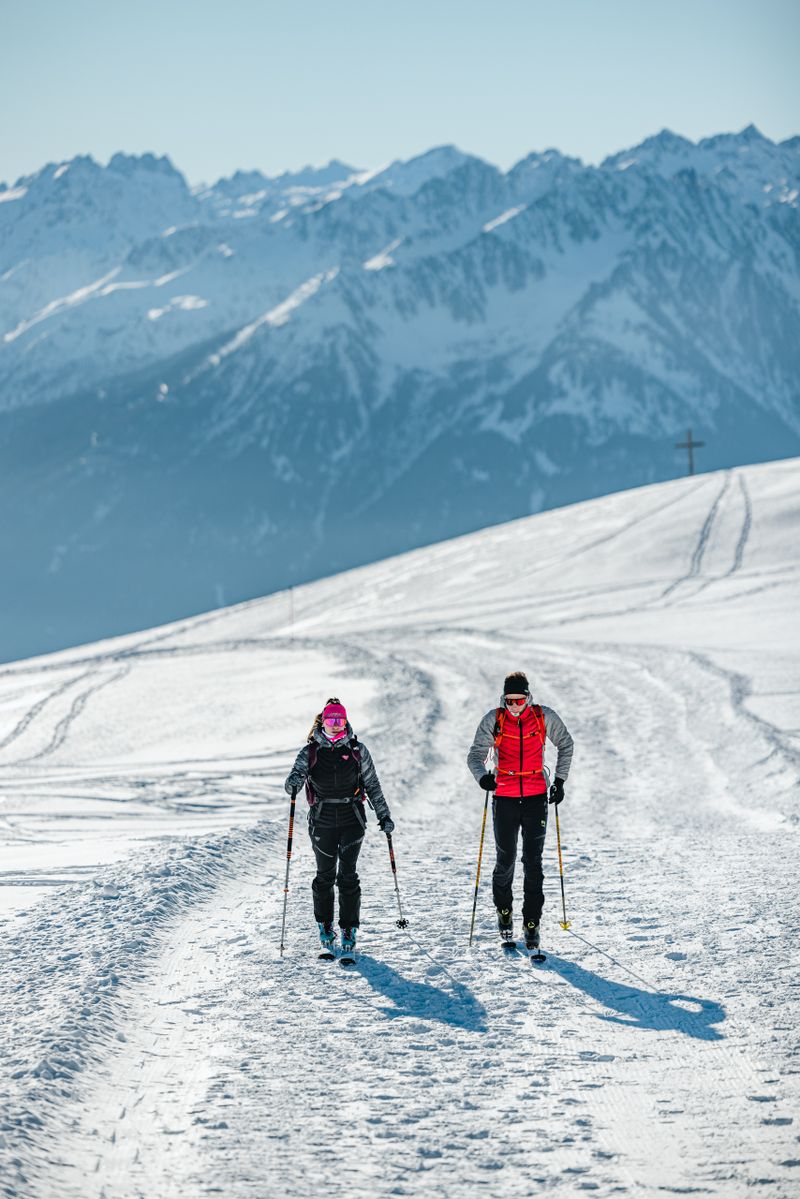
<point x="347" y="957"/>
<point x="327" y="955"/>
<point x="536" y="957"/>
<point x="509" y="946"/>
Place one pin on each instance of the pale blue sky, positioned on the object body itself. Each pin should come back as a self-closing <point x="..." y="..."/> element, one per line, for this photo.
<point x="255" y="83"/>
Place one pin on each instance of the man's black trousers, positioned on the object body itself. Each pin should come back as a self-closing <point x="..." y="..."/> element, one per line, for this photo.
<point x="337" y="831"/>
<point x="510" y="815"/>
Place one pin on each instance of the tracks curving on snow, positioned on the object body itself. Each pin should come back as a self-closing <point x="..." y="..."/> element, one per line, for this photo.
<point x="158" y="1045"/>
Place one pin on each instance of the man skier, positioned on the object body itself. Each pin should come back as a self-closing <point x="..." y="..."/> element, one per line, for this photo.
<point x="507" y="757"/>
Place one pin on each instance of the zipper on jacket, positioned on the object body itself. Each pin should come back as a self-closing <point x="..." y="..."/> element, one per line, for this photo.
<point x="521" y="788"/>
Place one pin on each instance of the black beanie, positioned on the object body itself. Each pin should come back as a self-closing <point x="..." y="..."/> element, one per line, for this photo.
<point x="516" y="684"/>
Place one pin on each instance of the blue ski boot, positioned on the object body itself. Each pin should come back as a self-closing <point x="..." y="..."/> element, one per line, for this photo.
<point x="348" y="954"/>
<point x="327" y="937"/>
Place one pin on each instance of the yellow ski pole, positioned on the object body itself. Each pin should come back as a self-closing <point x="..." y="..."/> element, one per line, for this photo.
<point x="478" y="872"/>
<point x="565" y="924"/>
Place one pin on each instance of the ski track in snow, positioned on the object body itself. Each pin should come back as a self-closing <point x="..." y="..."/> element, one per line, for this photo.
<point x="157" y="1045"/>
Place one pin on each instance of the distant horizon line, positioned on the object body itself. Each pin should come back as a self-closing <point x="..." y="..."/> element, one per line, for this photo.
<point x="750" y="130"/>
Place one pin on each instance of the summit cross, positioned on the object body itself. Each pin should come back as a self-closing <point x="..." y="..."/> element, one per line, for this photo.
<point x="689" y="445"/>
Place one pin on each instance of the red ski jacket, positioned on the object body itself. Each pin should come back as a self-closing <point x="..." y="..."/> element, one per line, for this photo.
<point x="507" y="738"/>
<point x="519" y="741"/>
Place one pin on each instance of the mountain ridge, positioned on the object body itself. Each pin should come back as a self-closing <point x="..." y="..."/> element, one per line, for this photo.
<point x="259" y="387"/>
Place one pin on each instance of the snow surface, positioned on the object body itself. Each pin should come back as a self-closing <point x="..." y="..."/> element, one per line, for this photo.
<point x="504" y="216"/>
<point x="153" y="1041"/>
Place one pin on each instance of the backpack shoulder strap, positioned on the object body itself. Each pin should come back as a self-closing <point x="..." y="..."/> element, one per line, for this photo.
<point x="355" y="749"/>
<point x="499" y="721"/>
<point x="541" y="727"/>
<point x="312" y="758"/>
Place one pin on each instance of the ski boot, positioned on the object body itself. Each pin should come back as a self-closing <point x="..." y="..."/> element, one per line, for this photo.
<point x="532" y="938"/>
<point x="533" y="942"/>
<point x="327" y="937"/>
<point x="348" y="954"/>
<point x="505" y="923"/>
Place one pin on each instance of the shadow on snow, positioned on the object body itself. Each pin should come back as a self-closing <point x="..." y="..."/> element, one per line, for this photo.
<point x="639" y="1008"/>
<point x="456" y="1005"/>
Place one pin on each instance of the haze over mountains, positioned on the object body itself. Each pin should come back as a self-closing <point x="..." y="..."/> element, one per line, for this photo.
<point x="210" y="393"/>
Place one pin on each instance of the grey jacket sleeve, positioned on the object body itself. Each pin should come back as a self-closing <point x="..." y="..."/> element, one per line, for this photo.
<point x="482" y="742"/>
<point x="372" y="784"/>
<point x="299" y="772"/>
<point x="558" y="734"/>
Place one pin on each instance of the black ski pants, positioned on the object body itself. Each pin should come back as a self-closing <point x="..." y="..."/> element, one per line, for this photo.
<point x="510" y="815"/>
<point x="337" y="831"/>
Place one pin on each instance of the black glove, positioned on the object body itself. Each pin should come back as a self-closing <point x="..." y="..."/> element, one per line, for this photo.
<point x="557" y="791"/>
<point x="386" y="825"/>
<point x="488" y="782"/>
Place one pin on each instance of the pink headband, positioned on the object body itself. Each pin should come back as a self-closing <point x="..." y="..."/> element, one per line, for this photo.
<point x="333" y="710"/>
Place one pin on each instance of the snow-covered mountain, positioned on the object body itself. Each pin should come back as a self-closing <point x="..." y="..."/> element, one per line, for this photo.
<point x="208" y="393"/>
<point x="155" y="1043"/>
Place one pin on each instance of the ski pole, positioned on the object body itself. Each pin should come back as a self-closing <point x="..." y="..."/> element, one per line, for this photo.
<point x="565" y="924"/>
<point x="288" y="863"/>
<point x="478" y="872"/>
<point x="402" y="922"/>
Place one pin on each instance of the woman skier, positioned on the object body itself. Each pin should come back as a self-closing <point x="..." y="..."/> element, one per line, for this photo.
<point x="507" y="757"/>
<point x="338" y="773"/>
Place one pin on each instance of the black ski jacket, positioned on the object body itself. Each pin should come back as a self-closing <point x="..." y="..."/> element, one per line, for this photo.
<point x="334" y="777"/>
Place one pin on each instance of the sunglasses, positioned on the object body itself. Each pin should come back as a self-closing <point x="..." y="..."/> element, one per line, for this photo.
<point x="513" y="700"/>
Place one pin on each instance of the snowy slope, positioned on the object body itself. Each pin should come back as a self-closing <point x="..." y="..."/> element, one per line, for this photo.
<point x="157" y="1045"/>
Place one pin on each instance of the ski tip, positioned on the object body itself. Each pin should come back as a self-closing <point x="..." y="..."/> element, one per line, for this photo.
<point x="538" y="957"/>
<point x="510" y="945"/>
<point x="347" y="961"/>
<point x="326" y="956"/>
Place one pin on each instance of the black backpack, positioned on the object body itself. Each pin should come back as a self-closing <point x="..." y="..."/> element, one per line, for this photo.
<point x="313" y="750"/>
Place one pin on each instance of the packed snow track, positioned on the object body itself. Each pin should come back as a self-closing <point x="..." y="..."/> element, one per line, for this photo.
<point x="154" y="1041"/>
